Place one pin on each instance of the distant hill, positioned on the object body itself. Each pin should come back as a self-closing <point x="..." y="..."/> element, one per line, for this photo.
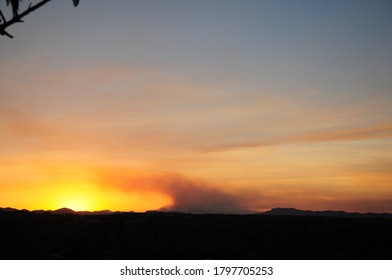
<point x="101" y="212"/>
<point x="61" y="211"/>
<point x="8" y="209"/>
<point x="328" y="213"/>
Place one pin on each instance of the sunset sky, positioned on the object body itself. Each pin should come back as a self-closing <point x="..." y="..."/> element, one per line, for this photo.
<point x="221" y="106"/>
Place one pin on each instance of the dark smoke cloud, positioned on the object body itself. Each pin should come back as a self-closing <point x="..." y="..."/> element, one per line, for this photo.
<point x="188" y="195"/>
<point x="197" y="196"/>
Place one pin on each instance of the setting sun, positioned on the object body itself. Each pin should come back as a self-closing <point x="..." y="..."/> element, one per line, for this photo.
<point x="94" y="196"/>
<point x="77" y="196"/>
<point x="77" y="203"/>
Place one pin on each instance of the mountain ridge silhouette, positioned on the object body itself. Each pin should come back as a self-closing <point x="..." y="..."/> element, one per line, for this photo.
<point x="324" y="213"/>
<point x="273" y="212"/>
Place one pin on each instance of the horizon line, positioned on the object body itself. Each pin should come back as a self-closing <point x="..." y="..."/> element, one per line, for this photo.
<point x="108" y="211"/>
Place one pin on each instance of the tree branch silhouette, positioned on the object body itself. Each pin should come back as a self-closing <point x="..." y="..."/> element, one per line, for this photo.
<point x="18" y="17"/>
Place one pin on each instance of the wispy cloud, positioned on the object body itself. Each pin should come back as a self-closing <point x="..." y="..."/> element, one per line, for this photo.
<point x="381" y="131"/>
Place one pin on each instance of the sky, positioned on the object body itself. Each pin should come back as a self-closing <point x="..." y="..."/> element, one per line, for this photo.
<point x="218" y="106"/>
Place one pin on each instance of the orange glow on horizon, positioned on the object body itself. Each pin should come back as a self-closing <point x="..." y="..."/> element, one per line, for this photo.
<point x="88" y="197"/>
<point x="80" y="196"/>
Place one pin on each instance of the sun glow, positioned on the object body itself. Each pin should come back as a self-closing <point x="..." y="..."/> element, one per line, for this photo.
<point x="78" y="197"/>
<point x="90" y="196"/>
<point x="77" y="203"/>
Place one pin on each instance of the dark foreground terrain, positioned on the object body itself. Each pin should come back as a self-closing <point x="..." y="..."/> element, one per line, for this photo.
<point x="26" y="235"/>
